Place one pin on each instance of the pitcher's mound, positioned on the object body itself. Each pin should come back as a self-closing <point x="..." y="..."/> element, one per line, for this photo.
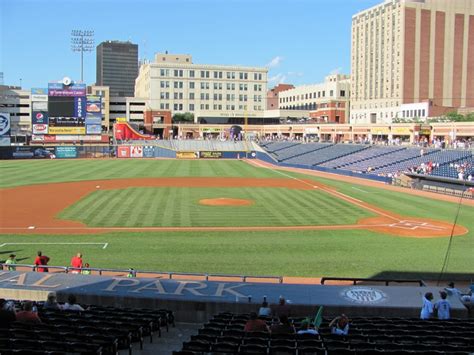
<point x="223" y="201"/>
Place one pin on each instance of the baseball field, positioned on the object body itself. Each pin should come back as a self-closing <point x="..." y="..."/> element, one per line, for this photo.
<point x="226" y="216"/>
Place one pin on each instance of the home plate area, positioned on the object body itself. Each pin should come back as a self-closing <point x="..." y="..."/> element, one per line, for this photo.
<point x="414" y="225"/>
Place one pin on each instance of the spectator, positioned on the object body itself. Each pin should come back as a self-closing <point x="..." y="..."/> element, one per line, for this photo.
<point x="255" y="325"/>
<point x="469" y="298"/>
<point x="442" y="306"/>
<point x="51" y="302"/>
<point x="305" y="329"/>
<point x="76" y="263"/>
<point x="340" y="325"/>
<point x="281" y="309"/>
<point x="11" y="261"/>
<point x="283" y="327"/>
<point x="131" y="273"/>
<point x="41" y="260"/>
<point x="265" y="311"/>
<point x="86" y="270"/>
<point x="7" y="315"/>
<point x="452" y="290"/>
<point x="427" y="308"/>
<point x="27" y="315"/>
<point x="71" y="304"/>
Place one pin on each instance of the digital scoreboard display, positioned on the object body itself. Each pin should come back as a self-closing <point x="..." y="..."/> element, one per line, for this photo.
<point x="61" y="106"/>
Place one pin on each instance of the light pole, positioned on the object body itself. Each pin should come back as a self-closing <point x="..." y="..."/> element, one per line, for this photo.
<point x="82" y="41"/>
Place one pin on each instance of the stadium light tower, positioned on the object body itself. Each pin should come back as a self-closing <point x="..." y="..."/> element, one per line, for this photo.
<point x="82" y="41"/>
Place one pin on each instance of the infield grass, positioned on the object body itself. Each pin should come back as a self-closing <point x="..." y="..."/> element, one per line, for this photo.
<point x="356" y="253"/>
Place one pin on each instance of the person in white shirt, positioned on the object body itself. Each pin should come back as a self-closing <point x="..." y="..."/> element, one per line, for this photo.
<point x="427" y="308"/>
<point x="451" y="290"/>
<point x="265" y="311"/>
<point x="443" y="306"/>
<point x="71" y="304"/>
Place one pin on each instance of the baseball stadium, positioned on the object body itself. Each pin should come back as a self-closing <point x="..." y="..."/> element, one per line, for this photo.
<point x="202" y="227"/>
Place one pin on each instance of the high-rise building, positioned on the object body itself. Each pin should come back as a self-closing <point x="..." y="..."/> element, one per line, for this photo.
<point x="117" y="67"/>
<point x="412" y="59"/>
<point x="213" y="93"/>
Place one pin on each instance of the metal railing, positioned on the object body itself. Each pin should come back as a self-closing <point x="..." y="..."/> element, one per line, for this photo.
<point x="141" y="273"/>
<point x="387" y="282"/>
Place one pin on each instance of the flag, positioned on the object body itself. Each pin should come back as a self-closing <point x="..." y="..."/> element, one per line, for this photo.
<point x="318" y="319"/>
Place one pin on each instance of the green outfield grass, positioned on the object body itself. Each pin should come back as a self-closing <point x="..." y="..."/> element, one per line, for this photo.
<point x="355" y="253"/>
<point x="180" y="207"/>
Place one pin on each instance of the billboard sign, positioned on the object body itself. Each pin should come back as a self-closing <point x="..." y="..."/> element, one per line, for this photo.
<point x="94" y="104"/>
<point x="39" y="98"/>
<point x="93" y="118"/>
<point x="5" y="141"/>
<point x="39" y="91"/>
<point x="39" y="117"/>
<point x="148" y="152"/>
<point x="58" y="89"/>
<point x="79" y="107"/>
<point x="67" y="130"/>
<point x="136" y="151"/>
<point x="210" y="155"/>
<point x="4" y="124"/>
<point x="123" y="152"/>
<point x="40" y="129"/>
<point x="93" y="129"/>
<point x="40" y="106"/>
<point x="66" y="152"/>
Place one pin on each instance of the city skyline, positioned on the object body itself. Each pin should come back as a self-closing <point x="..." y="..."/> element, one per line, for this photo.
<point x="299" y="41"/>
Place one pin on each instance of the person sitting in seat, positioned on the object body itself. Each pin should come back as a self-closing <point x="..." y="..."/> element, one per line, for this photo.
<point x="27" y="315"/>
<point x="7" y="314"/>
<point x="265" y="311"/>
<point x="306" y="329"/>
<point x="255" y="325"/>
<point x="71" y="304"/>
<point x="52" y="302"/>
<point x="283" y="327"/>
<point x="282" y="308"/>
<point x="340" y="325"/>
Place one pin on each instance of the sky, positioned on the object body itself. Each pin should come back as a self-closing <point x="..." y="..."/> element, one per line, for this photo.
<point x="300" y="41"/>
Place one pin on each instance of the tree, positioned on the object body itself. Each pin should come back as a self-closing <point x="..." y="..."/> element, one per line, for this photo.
<point x="187" y="117"/>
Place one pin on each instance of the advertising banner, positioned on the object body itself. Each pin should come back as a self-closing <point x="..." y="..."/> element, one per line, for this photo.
<point x="39" y="98"/>
<point x="40" y="106"/>
<point x="80" y="106"/>
<point x="33" y="152"/>
<point x="93" y="118"/>
<point x="39" y="91"/>
<point x="39" y="117"/>
<point x="401" y="131"/>
<point x="136" y="151"/>
<point x="93" y="129"/>
<point x="210" y="155"/>
<point x="148" y="152"/>
<point x="123" y="152"/>
<point x="67" y="130"/>
<point x="40" y="129"/>
<point x="58" y="89"/>
<point x="66" y="152"/>
<point x="380" y="130"/>
<point x="94" y="104"/>
<point x="187" y="155"/>
<point x="5" y="141"/>
<point x="4" y="124"/>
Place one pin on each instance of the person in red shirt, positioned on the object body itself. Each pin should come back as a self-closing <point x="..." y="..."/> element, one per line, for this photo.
<point x="255" y="325"/>
<point x="27" y="315"/>
<point x="76" y="262"/>
<point x="41" y="260"/>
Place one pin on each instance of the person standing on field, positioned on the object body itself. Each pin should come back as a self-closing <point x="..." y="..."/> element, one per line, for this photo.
<point x="76" y="263"/>
<point x="10" y="262"/>
<point x="41" y="260"/>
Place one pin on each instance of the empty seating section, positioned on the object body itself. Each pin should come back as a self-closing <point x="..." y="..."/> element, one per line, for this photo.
<point x="299" y="150"/>
<point x="98" y="330"/>
<point x="380" y="160"/>
<point x="361" y="155"/>
<point x="224" y="334"/>
<point x="327" y="154"/>
<point x="274" y="146"/>
<point x="198" y="145"/>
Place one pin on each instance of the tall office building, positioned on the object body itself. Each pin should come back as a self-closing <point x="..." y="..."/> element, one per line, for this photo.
<point x="117" y="67"/>
<point x="412" y="59"/>
<point x="213" y="93"/>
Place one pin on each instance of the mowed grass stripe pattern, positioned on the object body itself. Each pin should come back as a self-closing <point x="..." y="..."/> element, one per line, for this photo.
<point x="16" y="173"/>
<point x="180" y="207"/>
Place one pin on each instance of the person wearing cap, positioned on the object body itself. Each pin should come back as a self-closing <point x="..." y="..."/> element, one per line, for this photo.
<point x="443" y="306"/>
<point x="11" y="261"/>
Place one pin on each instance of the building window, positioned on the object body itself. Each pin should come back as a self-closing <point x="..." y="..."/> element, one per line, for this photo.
<point x="191" y="73"/>
<point x="191" y="95"/>
<point x="342" y="93"/>
<point x="191" y="84"/>
<point x="191" y="107"/>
